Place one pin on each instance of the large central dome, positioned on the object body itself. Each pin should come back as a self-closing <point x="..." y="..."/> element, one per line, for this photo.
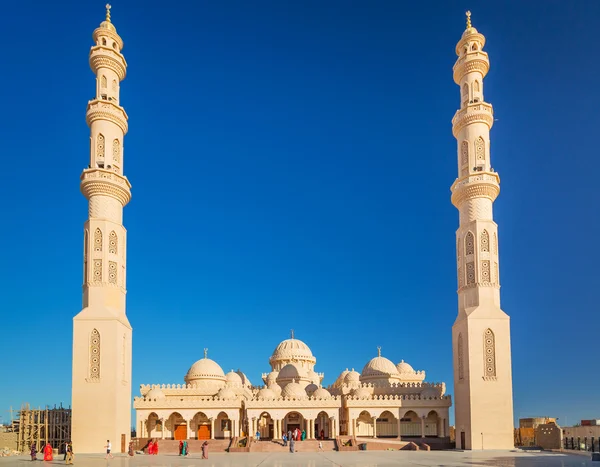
<point x="292" y="348"/>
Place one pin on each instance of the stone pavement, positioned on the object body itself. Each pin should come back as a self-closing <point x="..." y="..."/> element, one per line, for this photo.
<point x="328" y="459"/>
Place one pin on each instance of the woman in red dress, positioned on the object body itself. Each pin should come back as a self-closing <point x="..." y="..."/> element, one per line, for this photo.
<point x="155" y="452"/>
<point x="48" y="452"/>
<point x="150" y="447"/>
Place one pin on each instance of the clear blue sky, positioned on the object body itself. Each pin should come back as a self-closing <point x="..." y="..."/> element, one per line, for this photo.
<point x="291" y="165"/>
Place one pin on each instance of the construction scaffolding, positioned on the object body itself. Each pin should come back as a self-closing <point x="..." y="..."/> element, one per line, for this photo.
<point x="42" y="426"/>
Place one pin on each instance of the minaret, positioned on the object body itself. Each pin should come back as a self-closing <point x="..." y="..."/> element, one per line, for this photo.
<point x="481" y="332"/>
<point x="101" y="398"/>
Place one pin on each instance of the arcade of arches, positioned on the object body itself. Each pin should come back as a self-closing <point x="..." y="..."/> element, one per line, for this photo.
<point x="384" y="400"/>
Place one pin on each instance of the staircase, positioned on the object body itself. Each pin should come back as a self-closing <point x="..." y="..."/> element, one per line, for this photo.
<point x="308" y="445"/>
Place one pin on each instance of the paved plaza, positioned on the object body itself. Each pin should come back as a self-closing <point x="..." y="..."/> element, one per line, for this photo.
<point x="329" y="459"/>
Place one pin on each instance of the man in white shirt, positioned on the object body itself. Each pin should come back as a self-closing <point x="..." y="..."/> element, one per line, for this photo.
<point x="108" y="448"/>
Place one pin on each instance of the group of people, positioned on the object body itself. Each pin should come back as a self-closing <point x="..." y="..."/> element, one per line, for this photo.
<point x="153" y="447"/>
<point x="184" y="449"/>
<point x="295" y="435"/>
<point x="49" y="452"/>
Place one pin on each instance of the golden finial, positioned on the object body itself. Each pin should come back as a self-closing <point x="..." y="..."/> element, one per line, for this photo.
<point x="379" y="351"/>
<point x="468" y="20"/>
<point x="108" y="7"/>
<point x="205" y="353"/>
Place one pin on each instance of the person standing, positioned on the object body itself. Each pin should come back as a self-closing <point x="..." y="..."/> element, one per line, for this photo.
<point x="205" y="450"/>
<point x="66" y="446"/>
<point x="33" y="452"/>
<point x="108" y="449"/>
<point x="48" y="452"/>
<point x="150" y="447"/>
<point x="130" y="450"/>
<point x="292" y="444"/>
<point x="155" y="451"/>
<point x="184" y="449"/>
<point x="284" y="438"/>
<point x="70" y="455"/>
<point x="303" y="436"/>
<point x="257" y="435"/>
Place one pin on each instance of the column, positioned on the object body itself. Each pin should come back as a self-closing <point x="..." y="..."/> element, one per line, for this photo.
<point x="423" y="426"/>
<point x="399" y="429"/>
<point x="233" y="433"/>
<point x="253" y="431"/>
<point x="277" y="428"/>
<point x="374" y="427"/>
<point x="212" y="428"/>
<point x="331" y="432"/>
<point x="162" y="426"/>
<point x="353" y="422"/>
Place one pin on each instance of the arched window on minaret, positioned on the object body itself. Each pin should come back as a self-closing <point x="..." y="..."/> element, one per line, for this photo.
<point x="480" y="149"/>
<point x="113" y="244"/>
<point x="476" y="86"/>
<point x="469" y="243"/>
<point x="100" y="147"/>
<point x="114" y="85"/>
<point x="485" y="241"/>
<point x="116" y="150"/>
<point x="489" y="352"/>
<point x="98" y="240"/>
<point x="103" y="41"/>
<point x="464" y="158"/>
<point x="103" y="81"/>
<point x="465" y="93"/>
<point x="95" y="355"/>
<point x="461" y="357"/>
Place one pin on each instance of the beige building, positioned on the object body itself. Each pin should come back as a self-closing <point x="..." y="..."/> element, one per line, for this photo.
<point x="384" y="400"/>
<point x="481" y="332"/>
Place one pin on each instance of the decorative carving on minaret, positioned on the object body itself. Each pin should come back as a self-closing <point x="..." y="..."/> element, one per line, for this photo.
<point x="95" y="355"/>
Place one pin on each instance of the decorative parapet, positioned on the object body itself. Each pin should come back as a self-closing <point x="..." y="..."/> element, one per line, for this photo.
<point x="479" y="112"/>
<point x="105" y="57"/>
<point x="109" y="33"/>
<point x="399" y="401"/>
<point x="100" y="109"/>
<point x="187" y="403"/>
<point x="290" y="402"/>
<point x="482" y="185"/>
<point x="472" y="61"/>
<point x="107" y="183"/>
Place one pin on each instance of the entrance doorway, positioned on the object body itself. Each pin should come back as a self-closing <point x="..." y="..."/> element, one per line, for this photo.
<point x="180" y="432"/>
<point x="203" y="431"/>
<point x="462" y="440"/>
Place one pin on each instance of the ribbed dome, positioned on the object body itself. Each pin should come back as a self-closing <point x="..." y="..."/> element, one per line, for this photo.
<point x="311" y="388"/>
<point x="321" y="393"/>
<point x="205" y="369"/>
<point x="155" y="394"/>
<point x="361" y="393"/>
<point x="352" y="377"/>
<point x="404" y="367"/>
<point x="294" y="390"/>
<point x="233" y="379"/>
<point x="292" y="348"/>
<point x="245" y="380"/>
<point x="108" y="25"/>
<point x="340" y="379"/>
<point x="275" y="388"/>
<point x="266" y="393"/>
<point x="379" y="366"/>
<point x="226" y="394"/>
<point x="290" y="371"/>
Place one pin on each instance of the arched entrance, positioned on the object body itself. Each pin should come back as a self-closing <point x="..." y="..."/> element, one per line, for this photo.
<point x="223" y="427"/>
<point x="322" y="426"/>
<point x="293" y="421"/>
<point x="364" y="424"/>
<point x="432" y="424"/>
<point x="202" y="424"/>
<point x="410" y="424"/>
<point x="265" y="426"/>
<point x="176" y="427"/>
<point x="154" y="427"/>
<point x="387" y="425"/>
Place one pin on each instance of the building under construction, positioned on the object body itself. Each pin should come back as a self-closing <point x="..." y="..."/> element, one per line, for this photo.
<point x="41" y="426"/>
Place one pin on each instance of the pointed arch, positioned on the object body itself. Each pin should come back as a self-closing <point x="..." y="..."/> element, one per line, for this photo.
<point x="465" y="90"/>
<point x="476" y="86"/>
<point x="98" y="239"/>
<point x="469" y="243"/>
<point x="460" y="357"/>
<point x="100" y="145"/>
<point x="480" y="149"/>
<point x="485" y="241"/>
<point x="489" y="352"/>
<point x="116" y="151"/>
<point x="114" y="85"/>
<point x="95" y="355"/>
<point x="103" y="41"/>
<point x="113" y="242"/>
<point x="103" y="81"/>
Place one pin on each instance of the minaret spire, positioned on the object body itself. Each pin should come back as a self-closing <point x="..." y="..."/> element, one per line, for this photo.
<point x="101" y="331"/>
<point x="481" y="332"/>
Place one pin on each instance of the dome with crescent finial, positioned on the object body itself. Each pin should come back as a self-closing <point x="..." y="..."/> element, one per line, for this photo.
<point x="205" y="371"/>
<point x="292" y="350"/>
<point x="155" y="394"/>
<point x="379" y="368"/>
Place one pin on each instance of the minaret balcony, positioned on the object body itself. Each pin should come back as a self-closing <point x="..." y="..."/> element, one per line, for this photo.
<point x="100" y="109"/>
<point x="105" y="183"/>
<point x="477" y="112"/>
<point x="480" y="185"/>
<point x="105" y="57"/>
<point x="470" y="62"/>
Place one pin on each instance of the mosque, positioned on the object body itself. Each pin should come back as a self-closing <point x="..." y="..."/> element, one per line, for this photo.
<point x="383" y="400"/>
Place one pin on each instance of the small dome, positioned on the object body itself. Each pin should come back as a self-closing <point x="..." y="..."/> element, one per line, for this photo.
<point x="245" y="381"/>
<point x="266" y="393"/>
<point x="272" y="377"/>
<point x="340" y="379"/>
<point x="321" y="393"/>
<point x="311" y="388"/>
<point x="292" y="348"/>
<point x="226" y="394"/>
<point x="275" y="388"/>
<point x="108" y="25"/>
<point x="469" y="31"/>
<point x="155" y="394"/>
<point x="205" y="369"/>
<point x="234" y="379"/>
<point x="289" y="371"/>
<point x="379" y="366"/>
<point x="361" y="393"/>
<point x="404" y="367"/>
<point x="294" y="390"/>
<point x="352" y="377"/>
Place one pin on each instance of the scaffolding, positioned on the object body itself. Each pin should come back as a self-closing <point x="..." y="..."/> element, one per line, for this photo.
<point x="42" y="426"/>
